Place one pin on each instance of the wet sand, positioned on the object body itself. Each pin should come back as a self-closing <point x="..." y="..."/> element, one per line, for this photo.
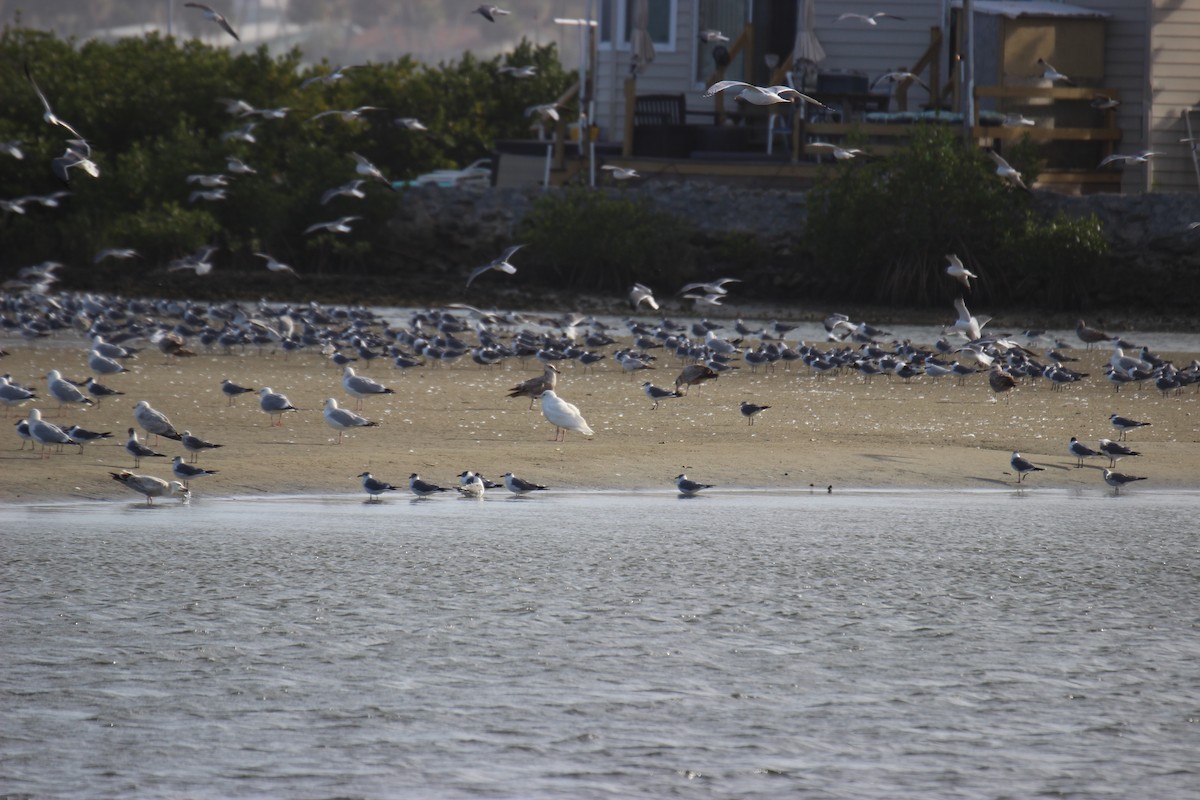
<point x="837" y="431"/>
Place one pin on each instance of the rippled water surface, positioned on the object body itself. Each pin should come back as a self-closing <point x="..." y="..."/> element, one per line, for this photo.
<point x="739" y="645"/>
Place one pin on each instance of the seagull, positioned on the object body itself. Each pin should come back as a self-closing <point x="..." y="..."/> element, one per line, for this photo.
<point x="762" y="95"/>
<point x="899" y="77"/>
<point x="839" y="153"/>
<point x="138" y="450"/>
<point x="872" y="19"/>
<point x="1023" y="466"/>
<point x="693" y="374"/>
<point x="206" y="194"/>
<point x="687" y="487"/>
<point x="194" y="445"/>
<point x="242" y="134"/>
<point x="639" y="294"/>
<point x="750" y="410"/>
<point x="212" y="15"/>
<point x="619" y="173"/>
<point x="1005" y="170"/>
<point x="238" y="167"/>
<point x="82" y="436"/>
<point x="232" y="390"/>
<point x="367" y="169"/>
<point x="499" y="264"/>
<point x="1015" y="120"/>
<point x="967" y="323"/>
<point x="154" y="422"/>
<point x="490" y="12"/>
<point x="48" y="113"/>
<point x="187" y="472"/>
<point x="526" y="71"/>
<point x="1049" y="73"/>
<point x="12" y="148"/>
<point x="1125" y="425"/>
<point x="347" y="115"/>
<point x="1115" y="451"/>
<point x="340" y="225"/>
<point x="274" y="405"/>
<point x="149" y="485"/>
<point x="375" y="487"/>
<point x="547" y="110"/>
<point x="422" y="488"/>
<point x="710" y="37"/>
<point x="519" y="486"/>
<point x="957" y="271"/>
<point x="208" y="181"/>
<point x="351" y="189"/>
<point x="470" y="484"/>
<point x="64" y="391"/>
<point x="1080" y="451"/>
<point x="13" y="395"/>
<point x="712" y="287"/>
<point x="277" y="266"/>
<point x="534" y="387"/>
<point x="343" y="419"/>
<point x="78" y="154"/>
<point x="46" y="433"/>
<point x="1091" y="336"/>
<point x="1104" y="102"/>
<point x="1119" y="479"/>
<point x="658" y="395"/>
<point x="336" y="75"/>
<point x="1137" y="158"/>
<point x="99" y="390"/>
<point x="115" y="252"/>
<point x="411" y="124"/>
<point x="1000" y="380"/>
<point x="361" y="387"/>
<point x="563" y="416"/>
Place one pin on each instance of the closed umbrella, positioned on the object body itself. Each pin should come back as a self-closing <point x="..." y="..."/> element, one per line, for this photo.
<point x="640" y="45"/>
<point x="806" y="46"/>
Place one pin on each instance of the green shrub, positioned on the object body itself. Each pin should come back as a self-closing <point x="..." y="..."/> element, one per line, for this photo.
<point x="879" y="231"/>
<point x="604" y="241"/>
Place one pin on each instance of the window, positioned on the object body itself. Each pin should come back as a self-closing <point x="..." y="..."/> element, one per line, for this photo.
<point x="620" y="13"/>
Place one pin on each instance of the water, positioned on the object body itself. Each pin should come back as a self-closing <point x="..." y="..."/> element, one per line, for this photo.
<point x="984" y="644"/>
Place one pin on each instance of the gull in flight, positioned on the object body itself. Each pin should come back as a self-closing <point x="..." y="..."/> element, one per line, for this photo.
<point x="639" y="294"/>
<point x="1104" y="102"/>
<point x="238" y="167"/>
<point x="212" y="15"/>
<point x="621" y="173"/>
<point x="195" y="445"/>
<point x="343" y="419"/>
<point x="899" y="77"/>
<point x="519" y="486"/>
<point x="242" y="134"/>
<point x="547" y="110"/>
<point x="1119" y="479"/>
<point x="78" y="154"/>
<point x="960" y="273"/>
<point x="364" y="167"/>
<point x="206" y="194"/>
<point x="274" y="405"/>
<point x="490" y="12"/>
<point x="351" y="189"/>
<point x="838" y="152"/>
<point x="12" y="148"/>
<point x="1049" y="73"/>
<point x="277" y="266"/>
<point x="871" y="19"/>
<point x="115" y="252"/>
<point x="149" y="485"/>
<point x="375" y="487"/>
<point x="750" y="411"/>
<point x="499" y="264"/>
<point x="762" y="95"/>
<point x="526" y="71"/>
<point x="1137" y="158"/>
<point x="340" y="225"/>
<point x="48" y="113"/>
<point x="349" y="115"/>
<point x="1005" y="170"/>
<point x="712" y="287"/>
<point x="710" y="37"/>
<point x="967" y="323"/>
<point x="1023" y="466"/>
<point x="188" y="472"/>
<point x="411" y="124"/>
<point x="563" y="416"/>
<point x="336" y="75"/>
<point x="688" y="487"/>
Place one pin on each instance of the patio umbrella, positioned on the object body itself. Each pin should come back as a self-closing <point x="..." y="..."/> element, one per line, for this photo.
<point x="806" y="46"/>
<point x="640" y="45"/>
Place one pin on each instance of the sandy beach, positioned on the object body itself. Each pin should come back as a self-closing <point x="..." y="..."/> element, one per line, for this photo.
<point x="837" y="430"/>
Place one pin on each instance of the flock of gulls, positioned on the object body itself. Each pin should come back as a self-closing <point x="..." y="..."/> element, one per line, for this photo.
<point x="116" y="328"/>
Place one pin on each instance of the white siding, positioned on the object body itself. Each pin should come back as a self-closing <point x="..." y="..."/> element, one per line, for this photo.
<point x="1174" y="86"/>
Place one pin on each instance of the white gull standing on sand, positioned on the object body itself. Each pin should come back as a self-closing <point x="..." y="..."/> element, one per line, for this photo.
<point x="360" y="386"/>
<point x="64" y="391"/>
<point x="1023" y="466"/>
<point x="47" y="433"/>
<point x="563" y="416"/>
<point x="154" y="422"/>
<point x="274" y="405"/>
<point x="343" y="419"/>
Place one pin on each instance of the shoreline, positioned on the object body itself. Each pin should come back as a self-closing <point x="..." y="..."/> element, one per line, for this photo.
<point x="835" y="430"/>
